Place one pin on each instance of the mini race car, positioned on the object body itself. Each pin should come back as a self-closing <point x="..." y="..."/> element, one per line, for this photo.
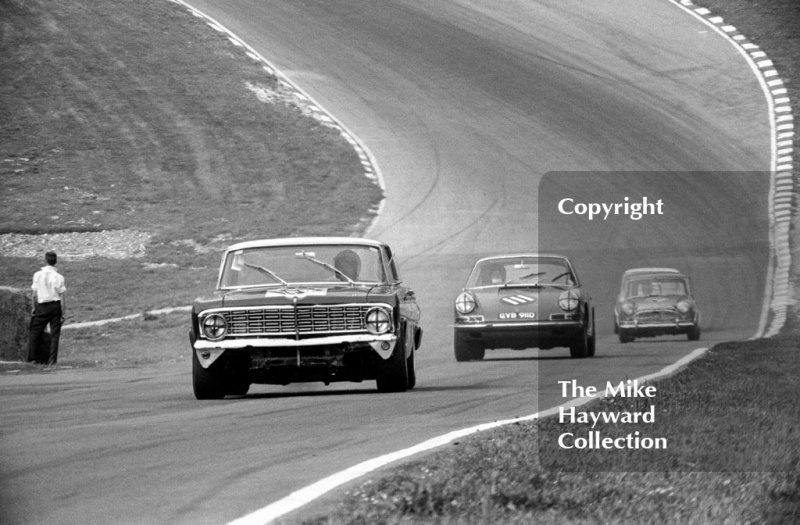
<point x="522" y="301"/>
<point x="301" y="310"/>
<point x="653" y="302"/>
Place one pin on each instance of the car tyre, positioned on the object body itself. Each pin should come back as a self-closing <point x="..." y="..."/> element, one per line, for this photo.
<point x="694" y="334"/>
<point x="592" y="343"/>
<point x="579" y="347"/>
<point x="464" y="350"/>
<point x="411" y="368"/>
<point x="206" y="382"/>
<point x="478" y="352"/>
<point x="238" y="388"/>
<point x="393" y="372"/>
<point x="625" y="336"/>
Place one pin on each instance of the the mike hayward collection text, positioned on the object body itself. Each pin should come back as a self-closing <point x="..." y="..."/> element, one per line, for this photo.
<point x="594" y="438"/>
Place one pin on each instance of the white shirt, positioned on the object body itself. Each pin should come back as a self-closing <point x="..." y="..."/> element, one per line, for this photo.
<point x="48" y="285"/>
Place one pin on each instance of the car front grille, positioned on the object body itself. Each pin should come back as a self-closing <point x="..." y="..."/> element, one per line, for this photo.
<point x="288" y="320"/>
<point x="663" y="316"/>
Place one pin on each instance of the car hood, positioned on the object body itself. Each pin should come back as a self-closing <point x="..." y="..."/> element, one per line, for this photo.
<point x="283" y="296"/>
<point x="496" y="301"/>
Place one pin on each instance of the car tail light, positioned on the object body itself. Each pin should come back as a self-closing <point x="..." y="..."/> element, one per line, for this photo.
<point x="378" y="321"/>
<point x="569" y="300"/>
<point x="465" y="303"/>
<point x="215" y="327"/>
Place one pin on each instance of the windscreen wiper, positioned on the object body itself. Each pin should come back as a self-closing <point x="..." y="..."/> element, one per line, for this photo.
<point x="328" y="266"/>
<point x="266" y="271"/>
<point x="535" y="274"/>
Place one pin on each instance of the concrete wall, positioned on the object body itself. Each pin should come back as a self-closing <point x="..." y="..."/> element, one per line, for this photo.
<point x="15" y="319"/>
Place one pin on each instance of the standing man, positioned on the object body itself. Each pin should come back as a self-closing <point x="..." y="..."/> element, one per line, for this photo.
<point x="49" y="307"/>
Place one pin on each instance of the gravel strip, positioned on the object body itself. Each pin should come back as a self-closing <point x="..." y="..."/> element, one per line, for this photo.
<point x="112" y="244"/>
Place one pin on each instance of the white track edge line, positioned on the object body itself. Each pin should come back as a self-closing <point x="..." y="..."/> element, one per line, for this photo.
<point x="301" y="497"/>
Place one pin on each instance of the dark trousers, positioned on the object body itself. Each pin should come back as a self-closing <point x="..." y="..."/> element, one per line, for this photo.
<point x="44" y="314"/>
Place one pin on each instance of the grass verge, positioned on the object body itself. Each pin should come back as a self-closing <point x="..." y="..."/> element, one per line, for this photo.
<point x="138" y="116"/>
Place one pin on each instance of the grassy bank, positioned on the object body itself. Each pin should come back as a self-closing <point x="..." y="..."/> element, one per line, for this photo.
<point x="136" y="116"/>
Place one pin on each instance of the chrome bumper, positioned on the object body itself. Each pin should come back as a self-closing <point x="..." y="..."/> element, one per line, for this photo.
<point x="264" y="342"/>
<point x="511" y="325"/>
<point x="209" y="351"/>
<point x="662" y="324"/>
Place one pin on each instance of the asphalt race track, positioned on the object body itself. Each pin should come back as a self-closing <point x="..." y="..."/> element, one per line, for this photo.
<point x="466" y="105"/>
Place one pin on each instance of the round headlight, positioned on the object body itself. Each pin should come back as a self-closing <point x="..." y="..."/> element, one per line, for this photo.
<point x="378" y="321"/>
<point x="465" y="303"/>
<point x="569" y="300"/>
<point x="215" y="327"/>
<point x="684" y="306"/>
<point x="628" y="308"/>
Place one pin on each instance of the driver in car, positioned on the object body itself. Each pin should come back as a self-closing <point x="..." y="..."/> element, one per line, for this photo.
<point x="349" y="263"/>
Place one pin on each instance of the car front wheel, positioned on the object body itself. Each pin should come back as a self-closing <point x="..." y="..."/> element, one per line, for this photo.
<point x="467" y="350"/>
<point x="694" y="334"/>
<point x="411" y="368"/>
<point x="239" y="388"/>
<point x="580" y="345"/>
<point x="393" y="372"/>
<point x="207" y="383"/>
<point x="592" y="346"/>
<point x="625" y="336"/>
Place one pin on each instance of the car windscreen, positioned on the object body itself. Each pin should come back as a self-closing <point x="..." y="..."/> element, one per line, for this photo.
<point x="655" y="286"/>
<point x="521" y="271"/>
<point x="301" y="264"/>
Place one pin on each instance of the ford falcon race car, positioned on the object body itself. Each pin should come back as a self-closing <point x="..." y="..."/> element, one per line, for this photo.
<point x="655" y="301"/>
<point x="523" y="301"/>
<point x="303" y="310"/>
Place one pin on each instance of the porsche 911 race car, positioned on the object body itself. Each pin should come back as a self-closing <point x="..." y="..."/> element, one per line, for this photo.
<point x="305" y="309"/>
<point x="653" y="302"/>
<point x="523" y="301"/>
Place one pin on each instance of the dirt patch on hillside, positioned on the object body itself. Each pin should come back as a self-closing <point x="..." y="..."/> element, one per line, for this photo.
<point x="118" y="244"/>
